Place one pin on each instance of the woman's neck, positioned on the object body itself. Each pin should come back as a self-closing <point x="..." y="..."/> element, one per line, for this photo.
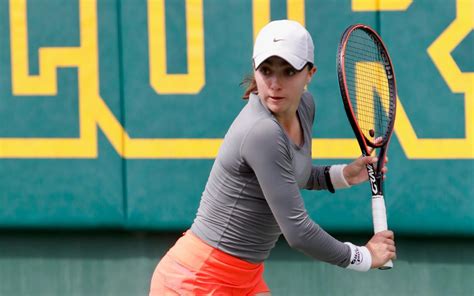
<point x="292" y="126"/>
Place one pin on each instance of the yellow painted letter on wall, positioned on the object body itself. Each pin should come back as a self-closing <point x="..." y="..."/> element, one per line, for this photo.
<point x="161" y="81"/>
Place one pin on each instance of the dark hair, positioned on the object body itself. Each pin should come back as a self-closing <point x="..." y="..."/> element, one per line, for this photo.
<point x="251" y="85"/>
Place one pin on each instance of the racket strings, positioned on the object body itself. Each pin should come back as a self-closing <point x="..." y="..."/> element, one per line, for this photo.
<point x="368" y="84"/>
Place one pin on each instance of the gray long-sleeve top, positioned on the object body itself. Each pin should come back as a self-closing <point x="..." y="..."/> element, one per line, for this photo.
<point x="253" y="192"/>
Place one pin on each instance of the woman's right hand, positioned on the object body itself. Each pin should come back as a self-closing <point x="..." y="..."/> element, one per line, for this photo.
<point x="382" y="248"/>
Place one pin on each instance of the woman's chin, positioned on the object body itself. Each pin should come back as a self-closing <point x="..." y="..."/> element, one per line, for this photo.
<point x="276" y="106"/>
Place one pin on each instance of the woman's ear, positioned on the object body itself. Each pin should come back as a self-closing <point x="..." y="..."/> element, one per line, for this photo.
<point x="310" y="74"/>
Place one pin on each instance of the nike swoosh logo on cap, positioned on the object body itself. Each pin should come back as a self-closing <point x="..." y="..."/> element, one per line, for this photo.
<point x="277" y="40"/>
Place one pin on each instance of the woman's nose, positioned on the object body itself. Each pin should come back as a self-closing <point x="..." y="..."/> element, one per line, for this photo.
<point x="275" y="82"/>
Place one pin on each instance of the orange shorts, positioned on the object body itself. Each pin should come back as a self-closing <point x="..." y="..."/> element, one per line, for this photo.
<point x="192" y="267"/>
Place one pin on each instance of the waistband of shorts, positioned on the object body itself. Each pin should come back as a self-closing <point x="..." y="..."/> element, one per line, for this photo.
<point x="190" y="247"/>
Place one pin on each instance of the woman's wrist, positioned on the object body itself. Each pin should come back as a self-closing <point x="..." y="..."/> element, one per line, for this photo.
<point x="338" y="178"/>
<point x="361" y="258"/>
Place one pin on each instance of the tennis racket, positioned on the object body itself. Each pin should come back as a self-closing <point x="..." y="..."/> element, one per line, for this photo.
<point x="368" y="89"/>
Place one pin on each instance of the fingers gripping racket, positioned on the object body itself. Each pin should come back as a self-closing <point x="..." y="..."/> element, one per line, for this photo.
<point x="368" y="89"/>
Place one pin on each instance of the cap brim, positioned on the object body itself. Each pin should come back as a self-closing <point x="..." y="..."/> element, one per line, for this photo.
<point x="295" y="61"/>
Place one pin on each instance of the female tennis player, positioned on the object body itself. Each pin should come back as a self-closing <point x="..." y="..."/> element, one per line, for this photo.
<point x="253" y="192"/>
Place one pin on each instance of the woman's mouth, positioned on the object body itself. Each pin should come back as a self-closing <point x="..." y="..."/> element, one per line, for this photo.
<point x="276" y="98"/>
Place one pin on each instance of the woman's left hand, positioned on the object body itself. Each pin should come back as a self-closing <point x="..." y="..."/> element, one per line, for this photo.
<point x="356" y="172"/>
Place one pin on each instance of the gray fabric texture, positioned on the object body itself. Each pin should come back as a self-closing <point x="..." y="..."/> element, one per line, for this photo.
<point x="253" y="192"/>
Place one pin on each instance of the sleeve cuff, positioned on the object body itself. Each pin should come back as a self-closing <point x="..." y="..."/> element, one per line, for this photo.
<point x="337" y="177"/>
<point x="361" y="259"/>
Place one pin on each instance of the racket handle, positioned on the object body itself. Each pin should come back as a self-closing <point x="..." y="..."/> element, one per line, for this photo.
<point x="379" y="216"/>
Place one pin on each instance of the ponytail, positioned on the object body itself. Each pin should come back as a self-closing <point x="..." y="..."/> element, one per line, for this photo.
<point x="250" y="86"/>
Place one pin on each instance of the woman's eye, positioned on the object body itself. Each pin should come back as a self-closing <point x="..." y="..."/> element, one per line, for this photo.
<point x="265" y="71"/>
<point x="290" y="72"/>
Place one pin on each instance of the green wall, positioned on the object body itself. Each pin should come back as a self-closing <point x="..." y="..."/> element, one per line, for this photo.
<point x="112" y="111"/>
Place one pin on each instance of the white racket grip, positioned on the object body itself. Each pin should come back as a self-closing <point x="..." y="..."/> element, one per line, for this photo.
<point x="379" y="216"/>
<point x="379" y="213"/>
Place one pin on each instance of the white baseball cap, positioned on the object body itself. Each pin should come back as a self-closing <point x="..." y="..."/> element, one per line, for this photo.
<point x="286" y="39"/>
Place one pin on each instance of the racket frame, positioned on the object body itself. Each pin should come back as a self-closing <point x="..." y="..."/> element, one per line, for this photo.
<point x="375" y="173"/>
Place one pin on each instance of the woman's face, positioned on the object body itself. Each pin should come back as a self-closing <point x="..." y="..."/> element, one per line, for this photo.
<point x="280" y="86"/>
